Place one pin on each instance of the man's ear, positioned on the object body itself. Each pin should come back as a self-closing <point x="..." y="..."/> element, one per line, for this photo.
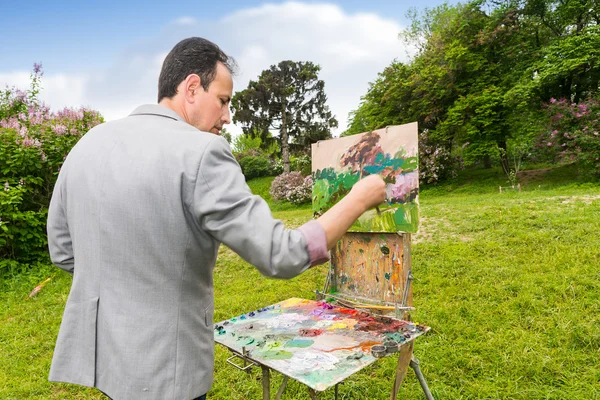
<point x="192" y="84"/>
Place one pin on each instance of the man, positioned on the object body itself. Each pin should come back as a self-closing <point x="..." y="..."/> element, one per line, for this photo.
<point x="138" y="212"/>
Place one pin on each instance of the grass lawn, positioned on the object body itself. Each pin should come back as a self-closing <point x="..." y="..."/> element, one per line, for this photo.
<point x="509" y="283"/>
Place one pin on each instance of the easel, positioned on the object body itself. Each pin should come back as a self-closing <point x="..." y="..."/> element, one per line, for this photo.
<point x="370" y="275"/>
<point x="369" y="272"/>
<point x="373" y="272"/>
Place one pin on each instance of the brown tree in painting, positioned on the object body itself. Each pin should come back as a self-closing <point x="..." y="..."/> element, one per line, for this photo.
<point x="362" y="153"/>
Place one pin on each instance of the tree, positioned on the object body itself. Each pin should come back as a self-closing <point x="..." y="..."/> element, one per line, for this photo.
<point x="287" y="98"/>
<point x="226" y="134"/>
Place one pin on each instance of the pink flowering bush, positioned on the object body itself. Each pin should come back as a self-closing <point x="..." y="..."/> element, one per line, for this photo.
<point x="33" y="145"/>
<point x="435" y="161"/>
<point x="573" y="133"/>
<point x="292" y="187"/>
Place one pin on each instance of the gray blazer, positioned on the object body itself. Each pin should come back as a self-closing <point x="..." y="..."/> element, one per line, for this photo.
<point x="138" y="212"/>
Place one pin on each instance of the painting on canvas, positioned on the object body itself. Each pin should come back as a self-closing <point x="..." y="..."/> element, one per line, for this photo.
<point x="391" y="152"/>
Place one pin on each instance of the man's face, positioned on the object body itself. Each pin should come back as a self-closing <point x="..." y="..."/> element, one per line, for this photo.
<point x="211" y="108"/>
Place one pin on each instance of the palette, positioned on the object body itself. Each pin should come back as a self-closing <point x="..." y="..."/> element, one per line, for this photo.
<point x="315" y="343"/>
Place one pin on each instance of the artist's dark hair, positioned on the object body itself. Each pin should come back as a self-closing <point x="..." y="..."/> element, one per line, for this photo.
<point x="193" y="55"/>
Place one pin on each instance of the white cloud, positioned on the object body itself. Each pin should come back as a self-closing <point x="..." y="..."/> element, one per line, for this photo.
<point x="350" y="48"/>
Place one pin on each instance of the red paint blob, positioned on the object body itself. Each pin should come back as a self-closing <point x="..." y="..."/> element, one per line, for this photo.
<point x="310" y="332"/>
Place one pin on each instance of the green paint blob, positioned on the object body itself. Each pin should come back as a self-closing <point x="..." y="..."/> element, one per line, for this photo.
<point x="344" y="279"/>
<point x="246" y="340"/>
<point x="276" y="355"/>
<point x="385" y="250"/>
<point x="387" y="276"/>
<point x="400" y="217"/>
<point x="396" y="337"/>
<point x="302" y="343"/>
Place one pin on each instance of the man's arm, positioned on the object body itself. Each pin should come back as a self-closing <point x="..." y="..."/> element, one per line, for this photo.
<point x="227" y="210"/>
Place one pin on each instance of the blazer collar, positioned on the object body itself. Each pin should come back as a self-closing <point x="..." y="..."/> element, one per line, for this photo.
<point x="156" y="109"/>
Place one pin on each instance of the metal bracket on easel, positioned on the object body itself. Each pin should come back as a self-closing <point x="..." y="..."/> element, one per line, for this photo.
<point x="244" y="357"/>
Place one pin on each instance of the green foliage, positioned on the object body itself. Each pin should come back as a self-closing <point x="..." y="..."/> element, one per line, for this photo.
<point x="22" y="230"/>
<point x="33" y="145"/>
<point x="301" y="163"/>
<point x="254" y="159"/>
<point x="480" y="76"/>
<point x="244" y="143"/>
<point x="254" y="166"/>
<point x="225" y="133"/>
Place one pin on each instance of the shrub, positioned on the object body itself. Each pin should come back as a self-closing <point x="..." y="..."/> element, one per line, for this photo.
<point x="292" y="187"/>
<point x="435" y="161"/>
<point x="573" y="133"/>
<point x="33" y="145"/>
<point x="301" y="163"/>
<point x="254" y="166"/>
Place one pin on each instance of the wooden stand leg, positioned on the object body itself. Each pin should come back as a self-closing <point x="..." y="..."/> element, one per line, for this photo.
<point x="266" y="383"/>
<point x="403" y="362"/>
<point x="313" y="394"/>
<point x="281" y="388"/>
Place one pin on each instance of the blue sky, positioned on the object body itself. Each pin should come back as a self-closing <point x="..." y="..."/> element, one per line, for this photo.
<point x="107" y="55"/>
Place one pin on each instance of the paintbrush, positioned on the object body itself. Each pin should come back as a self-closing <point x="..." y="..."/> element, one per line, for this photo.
<point x="354" y="304"/>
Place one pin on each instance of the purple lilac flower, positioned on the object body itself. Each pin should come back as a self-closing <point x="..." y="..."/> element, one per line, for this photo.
<point x="12" y="123"/>
<point x="29" y="142"/>
<point x="37" y="69"/>
<point x="20" y="95"/>
<point x="59" y="129"/>
<point x="549" y="144"/>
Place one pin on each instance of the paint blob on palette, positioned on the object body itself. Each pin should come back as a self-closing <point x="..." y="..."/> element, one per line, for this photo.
<point x="315" y="343"/>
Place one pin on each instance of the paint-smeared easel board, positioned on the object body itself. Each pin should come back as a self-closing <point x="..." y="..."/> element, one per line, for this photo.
<point x="372" y="267"/>
<point x="315" y="343"/>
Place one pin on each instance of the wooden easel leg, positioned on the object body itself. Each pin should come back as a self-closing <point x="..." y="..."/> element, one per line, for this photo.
<point x="403" y="362"/>
<point x="313" y="394"/>
<point x="414" y="363"/>
<point x="281" y="388"/>
<point x="266" y="383"/>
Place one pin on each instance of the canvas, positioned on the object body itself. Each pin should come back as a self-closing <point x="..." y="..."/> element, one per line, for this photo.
<point x="391" y="152"/>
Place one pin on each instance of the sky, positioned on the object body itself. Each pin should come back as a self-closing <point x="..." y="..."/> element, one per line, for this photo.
<point x="107" y="55"/>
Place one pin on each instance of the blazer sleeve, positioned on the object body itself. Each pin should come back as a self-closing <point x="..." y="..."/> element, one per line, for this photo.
<point x="60" y="245"/>
<point x="228" y="211"/>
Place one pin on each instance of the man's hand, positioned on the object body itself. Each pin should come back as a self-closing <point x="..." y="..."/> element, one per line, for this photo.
<point x="369" y="191"/>
<point x="366" y="193"/>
